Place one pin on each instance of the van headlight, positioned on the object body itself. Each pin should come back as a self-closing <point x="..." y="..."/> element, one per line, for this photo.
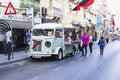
<point x="48" y="43"/>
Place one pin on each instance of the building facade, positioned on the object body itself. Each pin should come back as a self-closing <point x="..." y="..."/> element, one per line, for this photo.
<point x="20" y="22"/>
<point x="44" y="11"/>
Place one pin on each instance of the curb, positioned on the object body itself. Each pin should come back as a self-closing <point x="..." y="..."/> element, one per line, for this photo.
<point x="13" y="61"/>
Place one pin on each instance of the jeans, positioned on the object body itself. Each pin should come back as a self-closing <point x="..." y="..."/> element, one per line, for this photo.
<point x="84" y="47"/>
<point x="90" y="47"/>
<point x="79" y="47"/>
<point x="101" y="50"/>
<point x="27" y="47"/>
<point x="9" y="49"/>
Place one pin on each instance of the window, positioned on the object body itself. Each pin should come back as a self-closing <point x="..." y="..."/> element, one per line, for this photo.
<point x="43" y="32"/>
<point x="58" y="34"/>
<point x="48" y="32"/>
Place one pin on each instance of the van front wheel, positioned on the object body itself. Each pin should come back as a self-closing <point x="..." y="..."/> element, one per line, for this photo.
<point x="59" y="56"/>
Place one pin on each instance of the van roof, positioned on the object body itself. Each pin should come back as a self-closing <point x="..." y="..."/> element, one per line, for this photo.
<point x="51" y="25"/>
<point x="47" y="25"/>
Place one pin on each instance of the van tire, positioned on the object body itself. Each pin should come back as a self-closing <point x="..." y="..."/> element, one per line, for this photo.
<point x="32" y="58"/>
<point x="59" y="56"/>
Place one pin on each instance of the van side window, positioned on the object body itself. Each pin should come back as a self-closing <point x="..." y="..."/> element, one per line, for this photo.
<point x="58" y="33"/>
<point x="48" y="32"/>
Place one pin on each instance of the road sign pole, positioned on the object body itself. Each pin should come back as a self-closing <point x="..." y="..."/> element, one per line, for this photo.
<point x="10" y="10"/>
<point x="12" y="36"/>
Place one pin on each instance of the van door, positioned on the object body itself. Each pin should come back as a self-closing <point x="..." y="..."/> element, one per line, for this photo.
<point x="58" y="41"/>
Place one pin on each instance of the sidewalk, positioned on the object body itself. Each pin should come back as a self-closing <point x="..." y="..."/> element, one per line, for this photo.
<point x="17" y="56"/>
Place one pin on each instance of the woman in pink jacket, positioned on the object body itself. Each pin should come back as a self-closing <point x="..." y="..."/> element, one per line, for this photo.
<point x="85" y="40"/>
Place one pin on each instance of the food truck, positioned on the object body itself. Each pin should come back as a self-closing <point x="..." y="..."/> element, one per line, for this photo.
<point x="51" y="39"/>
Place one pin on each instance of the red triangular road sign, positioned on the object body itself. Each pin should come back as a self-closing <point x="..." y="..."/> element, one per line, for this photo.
<point x="10" y="9"/>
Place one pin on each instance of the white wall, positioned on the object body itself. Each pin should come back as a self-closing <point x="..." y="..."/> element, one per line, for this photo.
<point x="57" y="4"/>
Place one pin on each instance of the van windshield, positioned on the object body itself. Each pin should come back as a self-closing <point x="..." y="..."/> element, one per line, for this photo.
<point x="42" y="32"/>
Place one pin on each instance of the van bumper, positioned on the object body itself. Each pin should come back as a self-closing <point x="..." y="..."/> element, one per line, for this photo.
<point x="39" y="55"/>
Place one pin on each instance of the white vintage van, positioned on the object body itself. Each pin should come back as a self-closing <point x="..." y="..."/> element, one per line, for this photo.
<point x="50" y="39"/>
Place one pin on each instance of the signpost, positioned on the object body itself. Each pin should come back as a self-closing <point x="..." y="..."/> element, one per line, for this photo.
<point x="10" y="10"/>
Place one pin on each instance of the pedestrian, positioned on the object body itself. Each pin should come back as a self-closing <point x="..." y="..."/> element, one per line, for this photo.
<point x="79" y="44"/>
<point x="8" y="36"/>
<point x="28" y="37"/>
<point x="107" y="39"/>
<point x="69" y="39"/>
<point x="80" y="37"/>
<point x="85" y="39"/>
<point x="101" y="43"/>
<point x="90" y="42"/>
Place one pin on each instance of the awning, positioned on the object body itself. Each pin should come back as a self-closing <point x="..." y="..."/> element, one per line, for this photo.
<point x="20" y="24"/>
<point x="5" y="24"/>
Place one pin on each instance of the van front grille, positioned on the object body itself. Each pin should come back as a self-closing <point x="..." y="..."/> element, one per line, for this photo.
<point x="37" y="46"/>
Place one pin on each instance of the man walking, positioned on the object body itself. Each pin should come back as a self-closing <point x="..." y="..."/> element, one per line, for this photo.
<point x="9" y="42"/>
<point x="28" y="37"/>
<point x="85" y="39"/>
